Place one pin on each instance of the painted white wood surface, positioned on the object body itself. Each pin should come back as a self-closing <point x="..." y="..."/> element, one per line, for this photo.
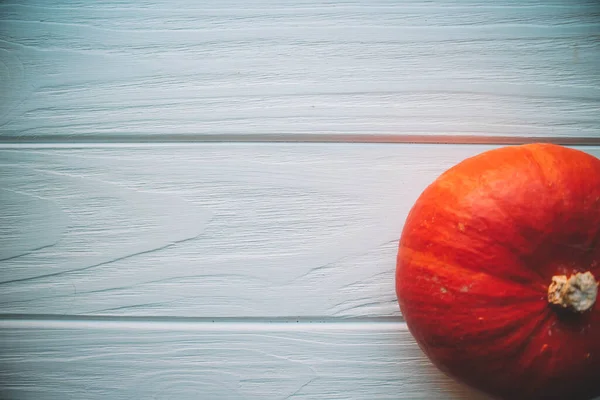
<point x="180" y="360"/>
<point x="210" y="230"/>
<point x="115" y="260"/>
<point x="237" y="67"/>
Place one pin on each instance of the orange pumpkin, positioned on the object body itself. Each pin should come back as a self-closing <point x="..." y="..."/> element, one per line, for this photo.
<point x="497" y="272"/>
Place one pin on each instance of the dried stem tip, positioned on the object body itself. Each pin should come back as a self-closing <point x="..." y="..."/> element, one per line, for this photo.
<point x="577" y="293"/>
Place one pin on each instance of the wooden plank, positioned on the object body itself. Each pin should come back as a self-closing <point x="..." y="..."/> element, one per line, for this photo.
<point x="212" y="230"/>
<point x="284" y="68"/>
<point x="118" y="360"/>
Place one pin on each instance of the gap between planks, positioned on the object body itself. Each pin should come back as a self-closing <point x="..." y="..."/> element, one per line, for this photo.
<point x="69" y="140"/>
<point x="251" y="324"/>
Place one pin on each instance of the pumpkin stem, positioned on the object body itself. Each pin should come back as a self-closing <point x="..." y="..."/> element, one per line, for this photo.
<point x="577" y="293"/>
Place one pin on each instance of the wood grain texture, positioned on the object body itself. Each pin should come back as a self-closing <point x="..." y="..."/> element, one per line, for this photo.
<point x="229" y="230"/>
<point x="244" y="271"/>
<point x="151" y="68"/>
<point x="141" y="360"/>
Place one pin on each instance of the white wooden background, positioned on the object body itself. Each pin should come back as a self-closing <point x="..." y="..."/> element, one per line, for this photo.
<point x="157" y="238"/>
